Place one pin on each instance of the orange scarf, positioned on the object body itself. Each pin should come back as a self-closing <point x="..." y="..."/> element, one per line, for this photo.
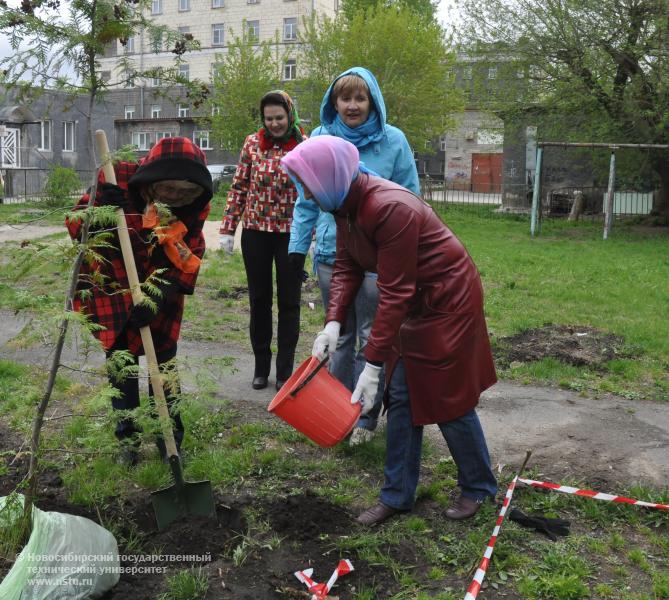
<point x="171" y="237"/>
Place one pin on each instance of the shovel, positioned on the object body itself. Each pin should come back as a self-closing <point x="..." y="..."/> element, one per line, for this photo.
<point x="183" y="498"/>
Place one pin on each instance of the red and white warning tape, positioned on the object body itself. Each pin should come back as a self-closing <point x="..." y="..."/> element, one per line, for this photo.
<point x="479" y="576"/>
<point x="475" y="585"/>
<point x="591" y="494"/>
<point x="321" y="590"/>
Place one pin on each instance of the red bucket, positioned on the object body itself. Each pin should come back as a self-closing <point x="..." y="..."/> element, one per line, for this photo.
<point x="316" y="404"/>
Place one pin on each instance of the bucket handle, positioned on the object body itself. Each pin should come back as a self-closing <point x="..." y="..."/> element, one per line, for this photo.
<point x="309" y="377"/>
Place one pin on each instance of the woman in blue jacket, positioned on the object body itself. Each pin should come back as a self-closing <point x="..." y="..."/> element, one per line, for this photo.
<point x="353" y="109"/>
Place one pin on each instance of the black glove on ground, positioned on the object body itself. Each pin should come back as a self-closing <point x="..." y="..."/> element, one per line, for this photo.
<point x="142" y="314"/>
<point x="550" y="527"/>
<point x="111" y="195"/>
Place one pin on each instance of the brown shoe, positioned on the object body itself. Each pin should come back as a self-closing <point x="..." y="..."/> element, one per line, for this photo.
<point x="377" y="514"/>
<point x="463" y="508"/>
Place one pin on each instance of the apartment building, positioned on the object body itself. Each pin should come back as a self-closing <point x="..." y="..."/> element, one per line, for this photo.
<point x="212" y="23"/>
<point x="142" y="115"/>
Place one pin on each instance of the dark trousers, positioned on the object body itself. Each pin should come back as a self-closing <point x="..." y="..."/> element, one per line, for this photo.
<point x="261" y="250"/>
<point x="128" y="398"/>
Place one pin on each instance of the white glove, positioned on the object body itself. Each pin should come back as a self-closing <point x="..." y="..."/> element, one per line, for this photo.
<point x="226" y="242"/>
<point x="367" y="387"/>
<point x="326" y="340"/>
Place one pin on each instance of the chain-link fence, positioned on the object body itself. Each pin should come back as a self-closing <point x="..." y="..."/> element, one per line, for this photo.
<point x="492" y="200"/>
<point x="556" y="203"/>
<point x="590" y="203"/>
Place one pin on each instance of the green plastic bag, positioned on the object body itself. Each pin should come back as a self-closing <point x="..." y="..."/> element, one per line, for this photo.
<point x="66" y="557"/>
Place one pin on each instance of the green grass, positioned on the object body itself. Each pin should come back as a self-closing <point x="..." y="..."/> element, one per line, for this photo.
<point x="34" y="213"/>
<point x="622" y="554"/>
<point x="566" y="276"/>
<point x="569" y="275"/>
<point x="188" y="584"/>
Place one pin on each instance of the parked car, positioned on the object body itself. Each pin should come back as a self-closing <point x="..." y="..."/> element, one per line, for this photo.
<point x="221" y="174"/>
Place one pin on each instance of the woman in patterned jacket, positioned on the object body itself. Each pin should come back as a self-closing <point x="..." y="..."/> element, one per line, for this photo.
<point x="174" y="175"/>
<point x="263" y="197"/>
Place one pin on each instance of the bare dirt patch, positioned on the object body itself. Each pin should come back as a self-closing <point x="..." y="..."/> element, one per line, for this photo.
<point x="308" y="527"/>
<point x="571" y="344"/>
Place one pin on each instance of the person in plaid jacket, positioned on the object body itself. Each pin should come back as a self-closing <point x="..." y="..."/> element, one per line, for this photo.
<point x="173" y="174"/>
<point x="262" y="196"/>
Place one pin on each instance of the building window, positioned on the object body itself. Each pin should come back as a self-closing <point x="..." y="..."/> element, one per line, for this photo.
<point x="157" y="7"/>
<point x="217" y="4"/>
<point x="201" y="138"/>
<point x="45" y="135"/>
<point x="290" y="70"/>
<point x="155" y="111"/>
<point x="129" y="112"/>
<point x="184" y="5"/>
<point x="214" y="70"/>
<point x="492" y="73"/>
<point x="467" y="73"/>
<point x="253" y="28"/>
<point x="252" y="1"/>
<point x="164" y="134"/>
<point x="130" y="45"/>
<point x="142" y="140"/>
<point x="290" y="29"/>
<point x="217" y="30"/>
<point x="68" y="136"/>
<point x="157" y="41"/>
<point x="156" y="82"/>
<point x="184" y="71"/>
<point x="442" y="143"/>
<point x="215" y="111"/>
<point x="105" y="75"/>
<point x="183" y="30"/>
<point x="183" y="110"/>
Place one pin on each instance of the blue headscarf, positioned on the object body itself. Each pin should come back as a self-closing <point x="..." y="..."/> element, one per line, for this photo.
<point x="373" y="129"/>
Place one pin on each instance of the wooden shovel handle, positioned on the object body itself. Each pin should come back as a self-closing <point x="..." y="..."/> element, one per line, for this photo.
<point x="137" y="296"/>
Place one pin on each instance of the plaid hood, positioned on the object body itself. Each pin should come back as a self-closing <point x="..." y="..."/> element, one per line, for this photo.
<point x="174" y="158"/>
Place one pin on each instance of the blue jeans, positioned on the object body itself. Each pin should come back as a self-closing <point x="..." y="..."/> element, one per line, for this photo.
<point x="404" y="441"/>
<point x="348" y="362"/>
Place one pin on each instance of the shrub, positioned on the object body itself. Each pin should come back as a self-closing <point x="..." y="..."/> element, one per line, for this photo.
<point x="61" y="184"/>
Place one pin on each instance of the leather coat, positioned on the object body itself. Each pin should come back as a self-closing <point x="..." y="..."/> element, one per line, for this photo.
<point x="430" y="310"/>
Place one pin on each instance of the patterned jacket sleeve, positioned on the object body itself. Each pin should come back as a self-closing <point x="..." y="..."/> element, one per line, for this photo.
<point x="74" y="224"/>
<point x="123" y="171"/>
<point x="238" y="190"/>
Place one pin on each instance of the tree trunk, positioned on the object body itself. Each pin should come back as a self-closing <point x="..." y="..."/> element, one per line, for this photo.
<point x="577" y="207"/>
<point x="38" y="420"/>
<point x="661" y="198"/>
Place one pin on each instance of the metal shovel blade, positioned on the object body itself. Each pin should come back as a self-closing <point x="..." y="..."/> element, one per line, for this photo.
<point x="182" y="499"/>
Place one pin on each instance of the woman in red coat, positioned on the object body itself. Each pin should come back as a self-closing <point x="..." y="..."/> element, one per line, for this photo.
<point x="429" y="328"/>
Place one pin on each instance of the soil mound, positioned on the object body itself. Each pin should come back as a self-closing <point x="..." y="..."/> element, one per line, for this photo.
<point x="571" y="344"/>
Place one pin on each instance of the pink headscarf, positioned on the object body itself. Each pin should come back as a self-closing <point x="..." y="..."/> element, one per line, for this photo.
<point x="327" y="165"/>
